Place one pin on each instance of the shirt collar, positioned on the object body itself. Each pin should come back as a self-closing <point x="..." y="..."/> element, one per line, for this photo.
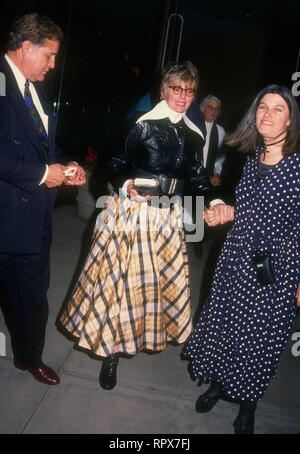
<point x="175" y="117"/>
<point x="209" y="124"/>
<point x="20" y="78"/>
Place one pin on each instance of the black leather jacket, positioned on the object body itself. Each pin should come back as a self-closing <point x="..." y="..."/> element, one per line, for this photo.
<point x="155" y="147"/>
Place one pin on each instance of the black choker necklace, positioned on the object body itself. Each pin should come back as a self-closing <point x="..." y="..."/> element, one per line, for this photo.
<point x="264" y="147"/>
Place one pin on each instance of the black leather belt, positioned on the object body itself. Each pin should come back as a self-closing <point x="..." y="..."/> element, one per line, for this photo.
<point x="170" y="186"/>
<point x="159" y="185"/>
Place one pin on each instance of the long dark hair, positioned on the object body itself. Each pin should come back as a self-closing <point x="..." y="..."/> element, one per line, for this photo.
<point x="246" y="138"/>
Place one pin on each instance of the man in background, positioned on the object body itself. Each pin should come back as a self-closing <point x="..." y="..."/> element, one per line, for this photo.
<point x="213" y="154"/>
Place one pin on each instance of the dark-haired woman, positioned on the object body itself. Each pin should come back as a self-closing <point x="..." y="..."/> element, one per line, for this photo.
<point x="248" y="315"/>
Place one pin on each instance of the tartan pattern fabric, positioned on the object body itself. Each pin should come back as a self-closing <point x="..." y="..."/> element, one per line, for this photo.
<point x="37" y="121"/>
<point x="133" y="293"/>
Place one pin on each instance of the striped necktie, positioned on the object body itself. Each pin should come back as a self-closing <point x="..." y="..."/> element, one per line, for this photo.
<point x="37" y="121"/>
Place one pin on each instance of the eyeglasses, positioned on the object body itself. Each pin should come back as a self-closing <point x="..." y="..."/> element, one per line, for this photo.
<point x="178" y="90"/>
<point x="209" y="107"/>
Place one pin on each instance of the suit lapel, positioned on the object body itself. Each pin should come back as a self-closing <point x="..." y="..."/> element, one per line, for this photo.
<point x="24" y="117"/>
<point x="51" y="123"/>
<point x="12" y="90"/>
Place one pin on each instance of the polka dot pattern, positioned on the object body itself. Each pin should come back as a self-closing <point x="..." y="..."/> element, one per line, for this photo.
<point x="244" y="325"/>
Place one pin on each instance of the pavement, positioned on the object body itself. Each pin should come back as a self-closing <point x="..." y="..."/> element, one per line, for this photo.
<point x="154" y="393"/>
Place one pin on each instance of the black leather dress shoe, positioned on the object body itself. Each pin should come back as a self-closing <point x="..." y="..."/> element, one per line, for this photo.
<point x="43" y="373"/>
<point x="244" y="423"/>
<point x="108" y="374"/>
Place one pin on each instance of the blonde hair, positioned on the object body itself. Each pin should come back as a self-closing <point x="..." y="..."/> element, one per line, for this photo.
<point x="184" y="71"/>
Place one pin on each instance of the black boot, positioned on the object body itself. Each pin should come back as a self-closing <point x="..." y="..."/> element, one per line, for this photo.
<point x="209" y="399"/>
<point x="244" y="423"/>
<point x="108" y="374"/>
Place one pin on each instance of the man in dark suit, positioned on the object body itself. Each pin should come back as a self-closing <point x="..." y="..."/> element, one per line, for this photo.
<point x="213" y="153"/>
<point x="31" y="168"/>
<point x="213" y="158"/>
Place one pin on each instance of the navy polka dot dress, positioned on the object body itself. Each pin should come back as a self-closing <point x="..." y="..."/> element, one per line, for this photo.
<point x="244" y="326"/>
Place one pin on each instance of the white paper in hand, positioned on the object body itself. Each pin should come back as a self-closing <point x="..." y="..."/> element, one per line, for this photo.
<point x="70" y="171"/>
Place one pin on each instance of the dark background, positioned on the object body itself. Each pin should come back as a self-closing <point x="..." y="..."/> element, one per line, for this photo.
<point x="237" y="48"/>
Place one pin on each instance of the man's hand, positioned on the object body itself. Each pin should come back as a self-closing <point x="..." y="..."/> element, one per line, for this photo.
<point x="55" y="176"/>
<point x="78" y="179"/>
<point x="219" y="214"/>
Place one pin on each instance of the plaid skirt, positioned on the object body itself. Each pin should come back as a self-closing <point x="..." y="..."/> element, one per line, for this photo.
<point x="133" y="293"/>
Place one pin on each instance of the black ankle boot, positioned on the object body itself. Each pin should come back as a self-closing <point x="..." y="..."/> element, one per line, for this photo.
<point x="209" y="399"/>
<point x="108" y="374"/>
<point x="244" y="423"/>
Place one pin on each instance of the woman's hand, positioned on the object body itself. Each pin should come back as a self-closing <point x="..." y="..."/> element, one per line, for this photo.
<point x="298" y="296"/>
<point x="219" y="214"/>
<point x="134" y="195"/>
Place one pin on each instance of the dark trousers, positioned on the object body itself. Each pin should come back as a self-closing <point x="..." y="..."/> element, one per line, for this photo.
<point x="24" y="281"/>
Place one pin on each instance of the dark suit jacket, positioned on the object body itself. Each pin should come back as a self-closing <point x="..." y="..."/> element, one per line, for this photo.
<point x="24" y="204"/>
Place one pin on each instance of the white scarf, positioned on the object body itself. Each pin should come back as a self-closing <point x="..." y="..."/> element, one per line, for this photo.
<point x="162" y="110"/>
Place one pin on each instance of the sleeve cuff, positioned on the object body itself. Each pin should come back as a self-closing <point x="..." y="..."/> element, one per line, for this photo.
<point x="124" y="187"/>
<point x="215" y="201"/>
<point x="45" y="175"/>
